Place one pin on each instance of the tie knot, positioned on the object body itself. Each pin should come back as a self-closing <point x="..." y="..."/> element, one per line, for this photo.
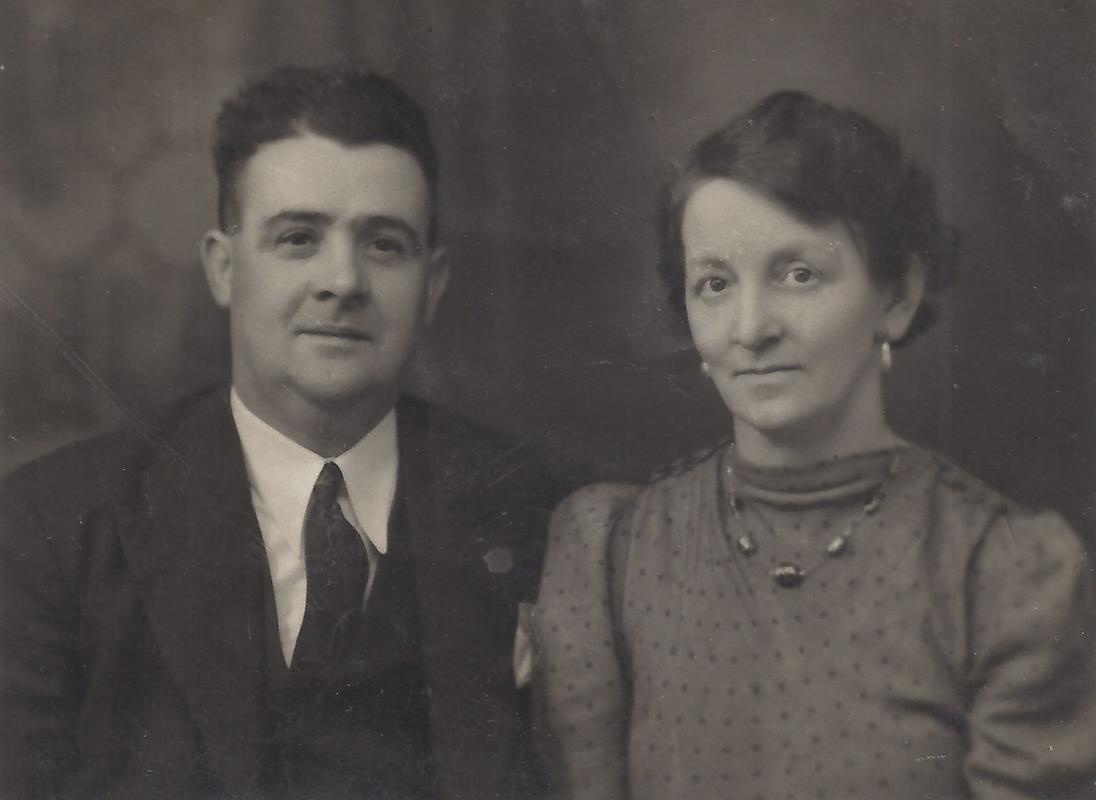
<point x="328" y="484"/>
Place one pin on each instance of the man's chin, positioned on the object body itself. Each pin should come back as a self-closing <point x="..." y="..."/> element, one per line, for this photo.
<point x="335" y="396"/>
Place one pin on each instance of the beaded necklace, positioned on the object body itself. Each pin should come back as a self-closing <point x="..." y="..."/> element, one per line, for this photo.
<point x="787" y="574"/>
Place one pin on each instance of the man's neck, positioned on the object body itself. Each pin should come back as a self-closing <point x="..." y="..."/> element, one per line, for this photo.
<point x="326" y="430"/>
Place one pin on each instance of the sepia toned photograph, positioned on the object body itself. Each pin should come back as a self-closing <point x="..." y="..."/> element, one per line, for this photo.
<point x="592" y="400"/>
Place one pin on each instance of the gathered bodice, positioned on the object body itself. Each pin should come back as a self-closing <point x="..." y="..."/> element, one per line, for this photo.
<point x="919" y="662"/>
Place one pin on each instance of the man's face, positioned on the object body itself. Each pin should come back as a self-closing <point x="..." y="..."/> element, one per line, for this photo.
<point x="329" y="277"/>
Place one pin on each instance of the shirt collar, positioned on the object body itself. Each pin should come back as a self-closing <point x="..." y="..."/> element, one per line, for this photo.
<point x="282" y="473"/>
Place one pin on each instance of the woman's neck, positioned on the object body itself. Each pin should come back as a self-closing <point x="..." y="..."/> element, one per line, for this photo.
<point x="815" y="442"/>
<point x="768" y="452"/>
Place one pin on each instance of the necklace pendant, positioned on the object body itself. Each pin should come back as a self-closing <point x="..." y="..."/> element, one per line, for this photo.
<point x="746" y="545"/>
<point x="837" y="546"/>
<point x="787" y="576"/>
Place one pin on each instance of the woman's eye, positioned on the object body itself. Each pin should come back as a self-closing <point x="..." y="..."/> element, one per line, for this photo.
<point x="713" y="285"/>
<point x="800" y="275"/>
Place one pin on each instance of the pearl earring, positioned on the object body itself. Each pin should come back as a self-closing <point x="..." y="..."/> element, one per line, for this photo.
<point x="885" y="355"/>
<point x="705" y="370"/>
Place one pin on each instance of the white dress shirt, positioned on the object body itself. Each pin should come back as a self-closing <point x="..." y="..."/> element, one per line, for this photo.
<point x="282" y="474"/>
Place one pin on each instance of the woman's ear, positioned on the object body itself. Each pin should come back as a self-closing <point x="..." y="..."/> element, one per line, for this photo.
<point x="216" y="252"/>
<point x="909" y="291"/>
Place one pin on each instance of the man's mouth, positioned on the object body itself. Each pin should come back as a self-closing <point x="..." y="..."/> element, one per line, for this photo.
<point x="336" y="332"/>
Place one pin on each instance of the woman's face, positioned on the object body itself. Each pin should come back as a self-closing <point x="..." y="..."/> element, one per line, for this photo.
<point x="787" y="318"/>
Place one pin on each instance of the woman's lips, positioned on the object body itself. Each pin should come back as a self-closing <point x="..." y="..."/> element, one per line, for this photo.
<point x="761" y="371"/>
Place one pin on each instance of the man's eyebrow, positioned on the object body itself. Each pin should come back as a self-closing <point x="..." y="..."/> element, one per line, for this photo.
<point x="375" y="222"/>
<point x="298" y="215"/>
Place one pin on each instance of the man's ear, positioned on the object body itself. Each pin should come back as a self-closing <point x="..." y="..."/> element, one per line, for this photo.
<point x="216" y="252"/>
<point x="437" y="279"/>
<point x="909" y="291"/>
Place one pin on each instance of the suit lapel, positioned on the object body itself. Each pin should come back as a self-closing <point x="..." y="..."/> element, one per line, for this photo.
<point x="466" y="626"/>
<point x="383" y="637"/>
<point x="194" y="547"/>
<point x="196" y="553"/>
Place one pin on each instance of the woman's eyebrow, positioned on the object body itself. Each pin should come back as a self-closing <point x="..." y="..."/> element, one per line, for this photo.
<point x="707" y="262"/>
<point x="806" y="248"/>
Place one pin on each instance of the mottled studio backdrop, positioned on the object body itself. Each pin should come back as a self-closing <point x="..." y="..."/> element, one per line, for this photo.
<point x="556" y="121"/>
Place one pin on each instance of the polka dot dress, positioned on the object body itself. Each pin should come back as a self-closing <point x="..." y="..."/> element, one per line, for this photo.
<point x="947" y="653"/>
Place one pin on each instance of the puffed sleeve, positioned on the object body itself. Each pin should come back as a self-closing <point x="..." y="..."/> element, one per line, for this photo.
<point x="1032" y="672"/>
<point x="579" y="677"/>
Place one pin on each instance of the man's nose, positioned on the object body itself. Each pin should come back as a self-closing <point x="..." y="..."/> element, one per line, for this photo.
<point x="757" y="318"/>
<point x="342" y="272"/>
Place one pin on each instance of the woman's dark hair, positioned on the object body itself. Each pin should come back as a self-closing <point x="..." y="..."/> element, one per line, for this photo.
<point x="348" y="104"/>
<point x="821" y="163"/>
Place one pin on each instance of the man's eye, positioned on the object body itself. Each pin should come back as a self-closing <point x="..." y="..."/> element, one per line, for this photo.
<point x="387" y="246"/>
<point x="297" y="238"/>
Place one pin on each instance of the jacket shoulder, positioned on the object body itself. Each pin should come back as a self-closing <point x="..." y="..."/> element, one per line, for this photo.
<point x="49" y="508"/>
<point x="77" y="477"/>
<point x="485" y="462"/>
<point x="67" y="485"/>
<point x="447" y="431"/>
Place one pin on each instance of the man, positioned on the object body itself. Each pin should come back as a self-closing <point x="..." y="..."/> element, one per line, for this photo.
<point x="307" y="586"/>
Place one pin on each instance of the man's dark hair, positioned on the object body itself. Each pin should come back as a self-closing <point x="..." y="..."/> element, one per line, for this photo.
<point x="350" y="105"/>
<point x="822" y="164"/>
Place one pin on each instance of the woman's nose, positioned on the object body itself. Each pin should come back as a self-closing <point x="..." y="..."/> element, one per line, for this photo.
<point x="756" y="319"/>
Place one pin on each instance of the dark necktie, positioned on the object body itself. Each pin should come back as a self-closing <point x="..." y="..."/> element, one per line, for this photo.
<point x="337" y="570"/>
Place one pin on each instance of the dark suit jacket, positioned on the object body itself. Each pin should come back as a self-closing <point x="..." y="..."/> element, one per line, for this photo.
<point x="134" y="582"/>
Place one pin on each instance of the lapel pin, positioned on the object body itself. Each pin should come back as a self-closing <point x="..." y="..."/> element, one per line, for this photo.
<point x="499" y="560"/>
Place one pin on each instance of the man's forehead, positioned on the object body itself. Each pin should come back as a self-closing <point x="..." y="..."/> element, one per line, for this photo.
<point x="315" y="173"/>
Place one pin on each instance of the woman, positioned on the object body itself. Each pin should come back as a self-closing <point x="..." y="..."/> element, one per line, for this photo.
<point x="820" y="609"/>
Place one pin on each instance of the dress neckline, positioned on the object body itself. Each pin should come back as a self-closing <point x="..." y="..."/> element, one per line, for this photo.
<point x="822" y="483"/>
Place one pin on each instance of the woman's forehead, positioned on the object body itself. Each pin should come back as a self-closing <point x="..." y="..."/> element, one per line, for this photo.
<point x="724" y="216"/>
